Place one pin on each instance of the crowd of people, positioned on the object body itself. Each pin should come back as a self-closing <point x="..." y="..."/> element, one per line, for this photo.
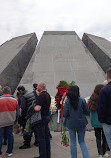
<point x="99" y="109"/>
<point x="19" y="111"/>
<point x="16" y="111"/>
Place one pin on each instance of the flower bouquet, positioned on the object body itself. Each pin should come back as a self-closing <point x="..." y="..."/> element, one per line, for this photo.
<point x="60" y="97"/>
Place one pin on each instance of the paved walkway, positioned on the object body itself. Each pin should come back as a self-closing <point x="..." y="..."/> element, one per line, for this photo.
<point x="58" y="151"/>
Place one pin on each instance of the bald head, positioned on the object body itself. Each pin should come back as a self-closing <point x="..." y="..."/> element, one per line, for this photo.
<point x="41" y="86"/>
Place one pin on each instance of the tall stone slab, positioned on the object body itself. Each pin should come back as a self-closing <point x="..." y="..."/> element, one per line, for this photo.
<point x="14" y="58"/>
<point x="61" y="55"/>
<point x="100" y="48"/>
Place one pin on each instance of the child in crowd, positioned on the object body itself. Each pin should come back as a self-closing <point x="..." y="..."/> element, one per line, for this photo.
<point x="100" y="137"/>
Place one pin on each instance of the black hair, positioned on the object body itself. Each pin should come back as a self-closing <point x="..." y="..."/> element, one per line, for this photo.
<point x="21" y="88"/>
<point x="73" y="96"/>
<point x="35" y="85"/>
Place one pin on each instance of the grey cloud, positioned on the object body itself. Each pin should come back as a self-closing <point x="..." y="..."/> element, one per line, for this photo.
<point x="24" y="16"/>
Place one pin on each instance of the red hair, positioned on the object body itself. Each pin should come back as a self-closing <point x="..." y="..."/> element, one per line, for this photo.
<point x="92" y="103"/>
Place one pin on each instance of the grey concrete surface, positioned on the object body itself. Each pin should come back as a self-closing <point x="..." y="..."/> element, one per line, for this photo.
<point x="63" y="56"/>
<point x="100" y="49"/>
<point x="14" y="58"/>
<point x="57" y="150"/>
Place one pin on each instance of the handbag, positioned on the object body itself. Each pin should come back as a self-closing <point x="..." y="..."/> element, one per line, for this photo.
<point x="35" y="118"/>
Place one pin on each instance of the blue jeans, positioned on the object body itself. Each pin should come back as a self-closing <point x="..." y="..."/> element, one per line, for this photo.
<point x="42" y="131"/>
<point x="81" y="135"/>
<point x="9" y="135"/>
<point x="107" y="132"/>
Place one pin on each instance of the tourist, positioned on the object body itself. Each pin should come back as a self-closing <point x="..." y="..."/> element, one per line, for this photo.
<point x="104" y="108"/>
<point x="26" y="101"/>
<point x="5" y="138"/>
<point x="8" y="106"/>
<point x="43" y="105"/>
<point x="75" y="109"/>
<point x="99" y="133"/>
<point x="36" y="96"/>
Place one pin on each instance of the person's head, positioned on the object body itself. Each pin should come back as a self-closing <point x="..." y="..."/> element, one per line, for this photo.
<point x="108" y="75"/>
<point x="73" y="96"/>
<point x="21" y="89"/>
<point x="6" y="90"/>
<point x="98" y="88"/>
<point x="35" y="86"/>
<point x="41" y="86"/>
<point x="92" y="103"/>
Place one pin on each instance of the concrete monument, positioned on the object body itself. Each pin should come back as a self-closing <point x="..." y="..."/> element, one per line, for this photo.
<point x="100" y="48"/>
<point x="14" y="58"/>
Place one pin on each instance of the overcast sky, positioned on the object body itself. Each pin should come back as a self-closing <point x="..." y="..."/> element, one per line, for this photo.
<point x="19" y="17"/>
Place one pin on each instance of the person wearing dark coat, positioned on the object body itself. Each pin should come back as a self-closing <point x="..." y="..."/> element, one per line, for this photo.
<point x="26" y="101"/>
<point x="104" y="108"/>
<point x="42" y="128"/>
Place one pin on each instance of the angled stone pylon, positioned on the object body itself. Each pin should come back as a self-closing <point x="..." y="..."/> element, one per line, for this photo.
<point x="15" y="55"/>
<point x="61" y="55"/>
<point x="100" y="48"/>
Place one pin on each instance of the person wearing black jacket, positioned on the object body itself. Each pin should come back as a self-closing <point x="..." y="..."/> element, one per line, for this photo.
<point x="104" y="108"/>
<point x="43" y="105"/>
<point x="26" y="101"/>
